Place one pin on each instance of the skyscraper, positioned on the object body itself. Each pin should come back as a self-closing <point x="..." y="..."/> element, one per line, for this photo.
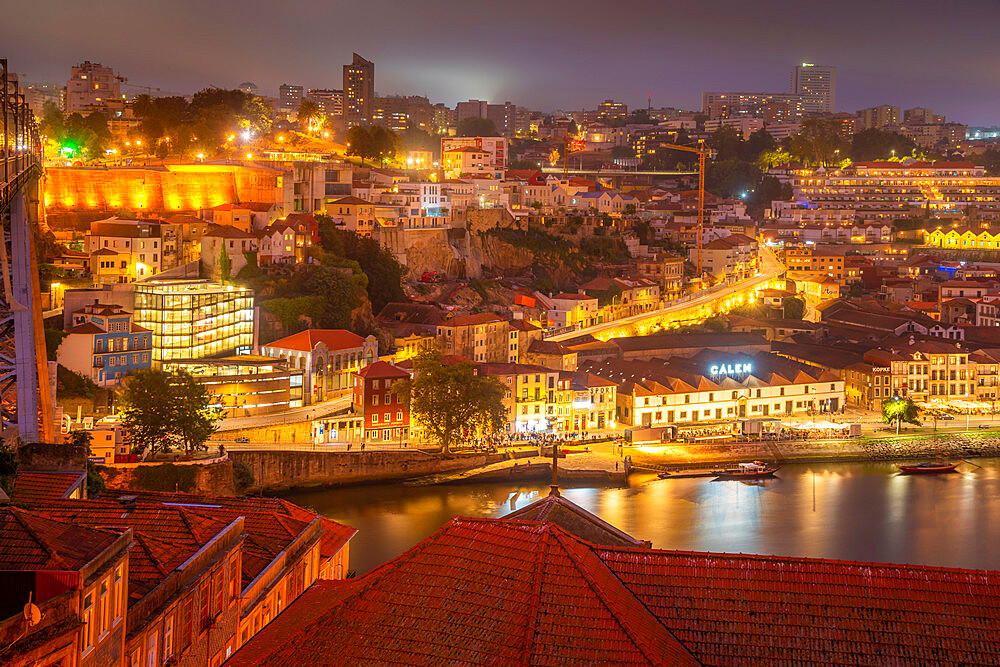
<point x="290" y="96"/>
<point x="359" y="92"/>
<point x="817" y="84"/>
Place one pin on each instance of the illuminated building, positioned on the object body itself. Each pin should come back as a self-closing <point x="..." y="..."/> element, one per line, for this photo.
<point x="878" y="117"/>
<point x="359" y="92"/>
<point x="194" y="319"/>
<point x="355" y="213"/>
<point x="717" y="387"/>
<point x="90" y="87"/>
<point x="817" y="84"/>
<point x="772" y="107"/>
<point x="236" y="243"/>
<point x="329" y="358"/>
<point x="466" y="161"/>
<point x="815" y="261"/>
<point x="122" y="251"/>
<point x="290" y="96"/>
<point x="481" y="337"/>
<point x="729" y="256"/>
<point x="878" y="190"/>
<point x="386" y="415"/>
<point x="495" y="146"/>
<point x="246" y="385"/>
<point x="104" y="344"/>
<point x="611" y="110"/>
<point x="329" y="101"/>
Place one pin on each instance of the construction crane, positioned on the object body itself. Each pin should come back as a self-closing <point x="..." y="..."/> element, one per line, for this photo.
<point x="703" y="153"/>
<point x="124" y="81"/>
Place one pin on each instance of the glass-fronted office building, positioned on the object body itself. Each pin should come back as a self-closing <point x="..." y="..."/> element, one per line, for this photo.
<point x="194" y="319"/>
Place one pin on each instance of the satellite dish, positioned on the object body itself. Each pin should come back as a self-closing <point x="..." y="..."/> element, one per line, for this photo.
<point x="32" y="613"/>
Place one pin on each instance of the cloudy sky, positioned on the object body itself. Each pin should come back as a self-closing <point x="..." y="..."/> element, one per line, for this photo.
<point x="546" y="55"/>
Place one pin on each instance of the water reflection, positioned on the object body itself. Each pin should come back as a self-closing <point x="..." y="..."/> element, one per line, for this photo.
<point x="862" y="511"/>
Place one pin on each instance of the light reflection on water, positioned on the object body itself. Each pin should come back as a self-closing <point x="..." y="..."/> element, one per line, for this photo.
<point x="855" y="511"/>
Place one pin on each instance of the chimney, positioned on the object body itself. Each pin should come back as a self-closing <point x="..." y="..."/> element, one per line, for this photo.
<point x="128" y="502"/>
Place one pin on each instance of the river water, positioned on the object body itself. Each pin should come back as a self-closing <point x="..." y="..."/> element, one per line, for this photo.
<point x="852" y="511"/>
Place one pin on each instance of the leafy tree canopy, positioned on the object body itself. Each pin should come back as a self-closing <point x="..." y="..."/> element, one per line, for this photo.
<point x="452" y="401"/>
<point x="161" y="410"/>
<point x="477" y="127"/>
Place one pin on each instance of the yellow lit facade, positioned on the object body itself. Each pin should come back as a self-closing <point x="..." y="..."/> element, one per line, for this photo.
<point x="194" y="319"/>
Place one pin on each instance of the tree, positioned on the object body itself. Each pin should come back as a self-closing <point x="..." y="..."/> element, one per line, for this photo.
<point x="875" y="144"/>
<point x="452" y="400"/>
<point x="146" y="412"/>
<point x="385" y="143"/>
<point x="360" y="143"/>
<point x="477" y="127"/>
<point x="793" y="308"/>
<point x="225" y="264"/>
<point x="899" y="410"/>
<point x="194" y="417"/>
<point x="160" y="410"/>
<point x="572" y="130"/>
<point x="820" y="142"/>
<point x="309" y="116"/>
<point x="340" y="293"/>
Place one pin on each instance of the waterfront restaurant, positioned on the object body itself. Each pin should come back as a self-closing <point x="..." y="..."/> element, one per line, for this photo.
<point x="714" y="388"/>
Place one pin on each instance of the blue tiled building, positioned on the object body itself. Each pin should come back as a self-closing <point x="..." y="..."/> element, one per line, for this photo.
<point x="104" y="344"/>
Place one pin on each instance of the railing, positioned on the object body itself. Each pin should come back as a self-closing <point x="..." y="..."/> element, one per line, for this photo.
<point x="20" y="144"/>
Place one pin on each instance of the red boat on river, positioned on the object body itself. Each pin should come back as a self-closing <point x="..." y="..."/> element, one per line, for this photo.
<point x="928" y="468"/>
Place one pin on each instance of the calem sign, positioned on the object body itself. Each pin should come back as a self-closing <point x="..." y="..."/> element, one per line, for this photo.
<point x="731" y="369"/>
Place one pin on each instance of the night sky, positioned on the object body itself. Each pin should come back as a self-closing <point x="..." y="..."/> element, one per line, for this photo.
<point x="543" y="54"/>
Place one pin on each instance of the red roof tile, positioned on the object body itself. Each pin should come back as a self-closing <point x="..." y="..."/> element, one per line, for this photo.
<point x="305" y="341"/>
<point x="469" y="320"/>
<point x="382" y="369"/>
<point x="489" y="590"/>
<point x="32" y="541"/>
<point x="475" y="592"/>
<point x="33" y="487"/>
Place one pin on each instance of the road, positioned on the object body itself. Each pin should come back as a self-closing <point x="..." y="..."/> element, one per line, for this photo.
<point x="697" y="306"/>
<point x="305" y="413"/>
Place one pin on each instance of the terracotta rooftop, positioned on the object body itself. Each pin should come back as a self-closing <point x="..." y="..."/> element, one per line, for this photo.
<point x="475" y="592"/>
<point x="32" y="541"/>
<point x="33" y="487"/>
<point x="305" y="341"/>
<point x="382" y="369"/>
<point x="497" y="590"/>
<point x="575" y="520"/>
<point x="471" y="320"/>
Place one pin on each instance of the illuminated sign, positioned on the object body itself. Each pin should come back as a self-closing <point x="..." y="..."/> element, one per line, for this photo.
<point x="731" y="369"/>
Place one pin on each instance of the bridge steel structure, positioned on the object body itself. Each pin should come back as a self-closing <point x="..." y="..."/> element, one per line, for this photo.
<point x="25" y="390"/>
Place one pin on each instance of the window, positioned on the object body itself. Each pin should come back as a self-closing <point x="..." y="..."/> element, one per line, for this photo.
<point x="151" y="650"/>
<point x="104" y="607"/>
<point x="375" y="419"/>
<point x="187" y="627"/>
<point x="388" y="417"/>
<point x="374" y="399"/>
<point x="218" y="592"/>
<point x="234" y="579"/>
<point x="399" y="416"/>
<point x="88" y="622"/>
<point x="118" y="594"/>
<point x="168" y="637"/>
<point x="203" y="605"/>
<point x="387" y="401"/>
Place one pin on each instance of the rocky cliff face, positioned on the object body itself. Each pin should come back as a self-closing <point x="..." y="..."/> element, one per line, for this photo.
<point x="433" y="252"/>
<point x="499" y="256"/>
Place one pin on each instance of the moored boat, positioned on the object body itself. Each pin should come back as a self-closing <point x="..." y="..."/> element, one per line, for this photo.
<point x="928" y="467"/>
<point x="754" y="470"/>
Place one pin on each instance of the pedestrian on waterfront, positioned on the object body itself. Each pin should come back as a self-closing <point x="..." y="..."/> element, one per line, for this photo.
<point x="616" y="466"/>
<point x="348" y="446"/>
<point x="362" y="446"/>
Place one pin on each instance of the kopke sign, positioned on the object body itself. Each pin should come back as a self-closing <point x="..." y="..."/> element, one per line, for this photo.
<point x="730" y="369"/>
